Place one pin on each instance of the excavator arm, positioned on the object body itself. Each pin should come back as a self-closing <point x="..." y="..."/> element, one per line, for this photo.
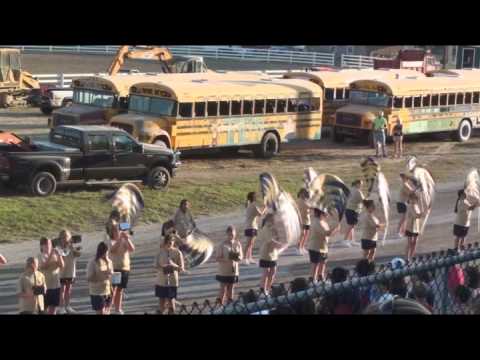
<point x="149" y="53"/>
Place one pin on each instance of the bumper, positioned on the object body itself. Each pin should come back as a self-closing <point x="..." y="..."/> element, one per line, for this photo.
<point x="352" y="132"/>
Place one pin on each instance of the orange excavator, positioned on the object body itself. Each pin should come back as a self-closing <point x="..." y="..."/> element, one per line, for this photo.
<point x="168" y="62"/>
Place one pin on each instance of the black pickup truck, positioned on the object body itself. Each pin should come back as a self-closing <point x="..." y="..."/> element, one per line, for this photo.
<point x="86" y="154"/>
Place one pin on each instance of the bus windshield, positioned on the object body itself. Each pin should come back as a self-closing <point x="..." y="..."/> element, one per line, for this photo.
<point x="369" y="98"/>
<point x="151" y="105"/>
<point x="103" y="99"/>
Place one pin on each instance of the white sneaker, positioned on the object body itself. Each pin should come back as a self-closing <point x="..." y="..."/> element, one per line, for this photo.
<point x="354" y="243"/>
<point x="119" y="312"/>
<point x="253" y="262"/>
<point x="344" y="244"/>
<point x="61" y="310"/>
<point x="298" y="252"/>
<point x="70" y="310"/>
<point x="246" y="262"/>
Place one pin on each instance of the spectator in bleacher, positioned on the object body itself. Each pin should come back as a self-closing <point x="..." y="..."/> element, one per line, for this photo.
<point x="253" y="213"/>
<point x="168" y="263"/>
<point x="463" y="300"/>
<point x="99" y="277"/>
<point x="370" y="232"/>
<point x="318" y="243"/>
<point x="304" y="209"/>
<point x="269" y="251"/>
<point x="304" y="306"/>
<point x="397" y="306"/>
<point x="31" y="288"/>
<point x="412" y="225"/>
<point x="3" y="260"/>
<point x="183" y="219"/>
<point x="473" y="280"/>
<point x="463" y="209"/>
<point x="120" y="249"/>
<point x="398" y="286"/>
<point x="68" y="272"/>
<point x="352" y="212"/>
<point x="50" y="265"/>
<point x="424" y="278"/>
<point x="229" y="255"/>
<point x="383" y="292"/>
<point x="420" y="293"/>
<point x="345" y="301"/>
<point x="367" y="293"/>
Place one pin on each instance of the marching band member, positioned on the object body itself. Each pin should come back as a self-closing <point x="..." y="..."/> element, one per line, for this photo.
<point x="50" y="265"/>
<point x="31" y="288"/>
<point x="405" y="191"/>
<point x="352" y="212"/>
<point x="68" y="272"/>
<point x="229" y="255"/>
<point x="463" y="209"/>
<point x="412" y="224"/>
<point x="99" y="277"/>
<point x="304" y="209"/>
<point x="183" y="219"/>
<point x="370" y="232"/>
<point x="253" y="213"/>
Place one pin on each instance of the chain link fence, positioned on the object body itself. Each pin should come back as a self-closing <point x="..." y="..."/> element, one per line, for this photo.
<point x="446" y="282"/>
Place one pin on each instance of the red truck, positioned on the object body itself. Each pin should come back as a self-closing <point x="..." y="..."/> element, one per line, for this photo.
<point x="414" y="59"/>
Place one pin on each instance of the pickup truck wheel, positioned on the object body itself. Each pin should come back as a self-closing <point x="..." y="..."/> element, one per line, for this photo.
<point x="46" y="110"/>
<point x="43" y="184"/>
<point x="158" y="178"/>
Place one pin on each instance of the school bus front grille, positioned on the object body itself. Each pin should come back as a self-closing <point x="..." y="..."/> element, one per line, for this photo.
<point x="348" y="119"/>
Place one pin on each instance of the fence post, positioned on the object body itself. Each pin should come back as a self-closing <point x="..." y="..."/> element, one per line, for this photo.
<point x="50" y="48"/>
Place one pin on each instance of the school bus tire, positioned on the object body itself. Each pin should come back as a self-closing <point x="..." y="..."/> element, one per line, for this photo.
<point x="464" y="131"/>
<point x="338" y="138"/>
<point x="269" y="147"/>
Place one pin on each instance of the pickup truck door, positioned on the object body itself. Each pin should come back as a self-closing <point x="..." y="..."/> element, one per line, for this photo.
<point x="128" y="158"/>
<point x="98" y="159"/>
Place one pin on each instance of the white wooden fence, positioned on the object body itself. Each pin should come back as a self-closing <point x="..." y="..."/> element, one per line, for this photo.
<point x="357" y="61"/>
<point x="213" y="52"/>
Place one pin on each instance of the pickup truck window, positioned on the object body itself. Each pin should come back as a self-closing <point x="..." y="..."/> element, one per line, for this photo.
<point x="123" y="143"/>
<point x="67" y="137"/>
<point x="98" y="142"/>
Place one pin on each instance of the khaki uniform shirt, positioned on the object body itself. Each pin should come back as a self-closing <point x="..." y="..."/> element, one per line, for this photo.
<point x="319" y="236"/>
<point x="162" y="259"/>
<point x="268" y="251"/>
<point x="304" y="210"/>
<point x="50" y="270"/>
<point x="99" y="283"/>
<point x="370" y="231"/>
<point x="355" y="200"/>
<point x="69" y="269"/>
<point x="252" y="215"/>
<point x="25" y="284"/>
<point x="184" y="223"/>
<point x="404" y="193"/>
<point x="120" y="258"/>
<point x="463" y="213"/>
<point x="413" y="218"/>
<point x="228" y="267"/>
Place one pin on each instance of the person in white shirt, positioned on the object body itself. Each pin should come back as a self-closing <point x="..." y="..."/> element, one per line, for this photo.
<point x="463" y="209"/>
<point x="253" y="213"/>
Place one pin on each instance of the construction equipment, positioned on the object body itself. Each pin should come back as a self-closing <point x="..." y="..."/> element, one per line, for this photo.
<point x="168" y="63"/>
<point x="414" y="59"/>
<point x="15" y="85"/>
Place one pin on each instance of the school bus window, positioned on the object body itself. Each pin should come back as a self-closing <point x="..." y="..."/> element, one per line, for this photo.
<point x="460" y="99"/>
<point x="199" y="109"/>
<point x="247" y="107"/>
<point x="212" y="108"/>
<point x="476" y="97"/>
<point x="328" y="94"/>
<point x="259" y="106"/>
<point x="339" y="94"/>
<point x="270" y="108"/>
<point x="435" y="100"/>
<point x="408" y="102"/>
<point x="426" y="101"/>
<point x="185" y="110"/>
<point x="398" y="102"/>
<point x="292" y="105"/>
<point x="347" y="94"/>
<point x="314" y="104"/>
<point x="281" y="106"/>
<point x="451" y="99"/>
<point x="224" y="108"/>
<point x="468" y="98"/>
<point x="303" y="105"/>
<point x="236" y="107"/>
<point x="443" y="99"/>
<point x="390" y="102"/>
<point x="417" y="101"/>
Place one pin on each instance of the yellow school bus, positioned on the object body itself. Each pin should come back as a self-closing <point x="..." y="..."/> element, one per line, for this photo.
<point x="97" y="98"/>
<point x="335" y="85"/>
<point x="424" y="105"/>
<point x="229" y="112"/>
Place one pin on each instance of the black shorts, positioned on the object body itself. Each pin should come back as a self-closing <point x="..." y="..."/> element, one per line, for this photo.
<point x="52" y="297"/>
<point x="368" y="244"/>
<point x="460" y="231"/>
<point x="100" y="301"/>
<point x="401" y="208"/>
<point x="267" y="264"/>
<point x="227" y="279"/>
<point x="317" y="257"/>
<point x="250" y="232"/>
<point x="306" y="227"/>
<point x="166" y="292"/>
<point x="410" y="234"/>
<point x="352" y="217"/>
<point x="124" y="281"/>
<point x="66" y="281"/>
